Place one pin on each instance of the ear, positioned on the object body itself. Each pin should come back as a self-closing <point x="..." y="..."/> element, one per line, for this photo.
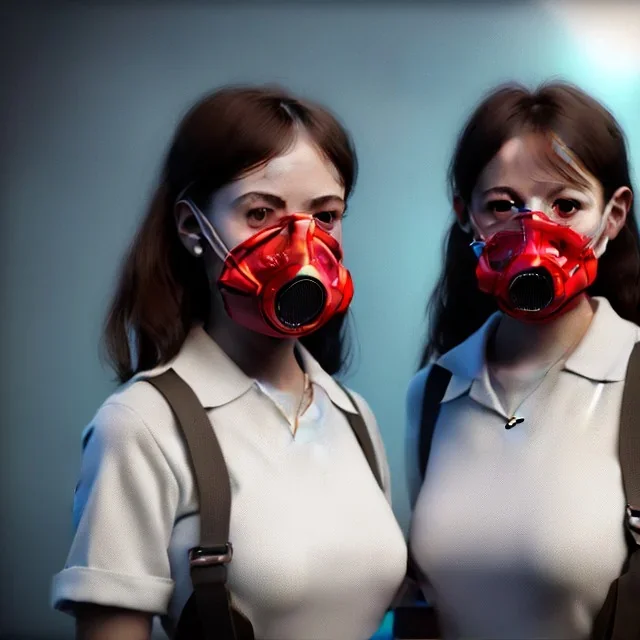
<point x="460" y="209"/>
<point x="620" y="204"/>
<point x="188" y="228"/>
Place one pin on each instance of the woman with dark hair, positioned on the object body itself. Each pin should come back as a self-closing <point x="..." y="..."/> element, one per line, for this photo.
<point x="517" y="528"/>
<point x="235" y="285"/>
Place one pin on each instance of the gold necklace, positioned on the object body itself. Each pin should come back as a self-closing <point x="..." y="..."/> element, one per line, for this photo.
<point x="513" y="421"/>
<point x="296" y="419"/>
<point x="292" y="421"/>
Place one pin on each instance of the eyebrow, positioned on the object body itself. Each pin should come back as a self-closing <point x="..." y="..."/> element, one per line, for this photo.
<point x="274" y="201"/>
<point x="514" y="194"/>
<point x="279" y="203"/>
<point x="506" y="190"/>
<point x="321" y="201"/>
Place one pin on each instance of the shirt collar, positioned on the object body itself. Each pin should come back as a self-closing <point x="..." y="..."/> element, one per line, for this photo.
<point x="212" y="375"/>
<point x="602" y="354"/>
<point x="217" y="380"/>
<point x="467" y="360"/>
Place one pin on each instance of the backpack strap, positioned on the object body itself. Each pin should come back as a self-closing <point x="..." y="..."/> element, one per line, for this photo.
<point x="434" y="390"/>
<point x="208" y="561"/>
<point x="419" y="620"/>
<point x="359" y="428"/>
<point x="619" y="618"/>
<point x="630" y="435"/>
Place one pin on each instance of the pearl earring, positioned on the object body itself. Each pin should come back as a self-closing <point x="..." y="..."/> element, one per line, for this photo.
<point x="197" y="250"/>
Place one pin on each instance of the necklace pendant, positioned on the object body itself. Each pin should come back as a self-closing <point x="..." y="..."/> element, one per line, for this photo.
<point x="513" y="421"/>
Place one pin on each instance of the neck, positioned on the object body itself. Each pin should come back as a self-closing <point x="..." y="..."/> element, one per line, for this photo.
<point x="516" y="342"/>
<point x="271" y="360"/>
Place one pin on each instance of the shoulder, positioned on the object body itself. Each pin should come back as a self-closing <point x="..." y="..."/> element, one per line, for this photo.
<point x="133" y="416"/>
<point x="123" y="443"/>
<point x="413" y="405"/>
<point x="415" y="391"/>
<point x="363" y="407"/>
<point x="376" y="438"/>
<point x="370" y="421"/>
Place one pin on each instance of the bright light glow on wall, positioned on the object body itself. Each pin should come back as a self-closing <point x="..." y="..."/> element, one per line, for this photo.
<point x="607" y="33"/>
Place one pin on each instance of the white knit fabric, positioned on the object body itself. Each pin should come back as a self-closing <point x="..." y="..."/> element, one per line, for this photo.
<point x="520" y="532"/>
<point x="318" y="553"/>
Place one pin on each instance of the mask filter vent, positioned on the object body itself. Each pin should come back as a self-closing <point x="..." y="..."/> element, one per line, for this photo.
<point x="531" y="290"/>
<point x="300" y="302"/>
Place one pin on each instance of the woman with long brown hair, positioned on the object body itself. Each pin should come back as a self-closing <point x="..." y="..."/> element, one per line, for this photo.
<point x="518" y="529"/>
<point x="234" y="294"/>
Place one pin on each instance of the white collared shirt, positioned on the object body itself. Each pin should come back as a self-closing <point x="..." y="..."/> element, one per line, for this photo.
<point x="318" y="553"/>
<point x="520" y="532"/>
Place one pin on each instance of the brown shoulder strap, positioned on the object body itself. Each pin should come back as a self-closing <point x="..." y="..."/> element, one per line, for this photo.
<point x="619" y="618"/>
<point x="208" y="560"/>
<point x="209" y="468"/>
<point x="435" y="387"/>
<point x="359" y="428"/>
<point x="630" y="432"/>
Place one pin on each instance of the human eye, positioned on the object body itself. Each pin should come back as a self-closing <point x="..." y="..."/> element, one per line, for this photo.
<point x="258" y="216"/>
<point x="501" y="206"/>
<point x="329" y="218"/>
<point x="566" y="207"/>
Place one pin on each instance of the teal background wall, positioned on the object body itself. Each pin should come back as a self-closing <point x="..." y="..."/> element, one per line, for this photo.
<point x="91" y="92"/>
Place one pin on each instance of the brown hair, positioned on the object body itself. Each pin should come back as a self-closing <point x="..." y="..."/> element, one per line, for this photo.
<point x="591" y="134"/>
<point x="163" y="290"/>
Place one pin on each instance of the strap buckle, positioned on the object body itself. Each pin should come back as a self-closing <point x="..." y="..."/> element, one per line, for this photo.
<point x="210" y="556"/>
<point x="633" y="514"/>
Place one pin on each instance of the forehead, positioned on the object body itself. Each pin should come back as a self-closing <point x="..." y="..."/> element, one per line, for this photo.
<point x="529" y="161"/>
<point x="301" y="173"/>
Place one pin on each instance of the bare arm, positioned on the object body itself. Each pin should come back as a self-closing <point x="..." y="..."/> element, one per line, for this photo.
<point x="94" y="622"/>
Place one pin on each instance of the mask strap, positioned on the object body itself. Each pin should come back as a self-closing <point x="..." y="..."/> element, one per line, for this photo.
<point x="597" y="236"/>
<point x="478" y="242"/>
<point x="479" y="239"/>
<point x="208" y="231"/>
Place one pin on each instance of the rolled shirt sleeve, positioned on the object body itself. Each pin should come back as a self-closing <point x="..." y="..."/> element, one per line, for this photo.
<point x="124" y="510"/>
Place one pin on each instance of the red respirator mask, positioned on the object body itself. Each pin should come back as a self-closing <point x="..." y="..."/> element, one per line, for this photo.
<point x="535" y="267"/>
<point x="287" y="280"/>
